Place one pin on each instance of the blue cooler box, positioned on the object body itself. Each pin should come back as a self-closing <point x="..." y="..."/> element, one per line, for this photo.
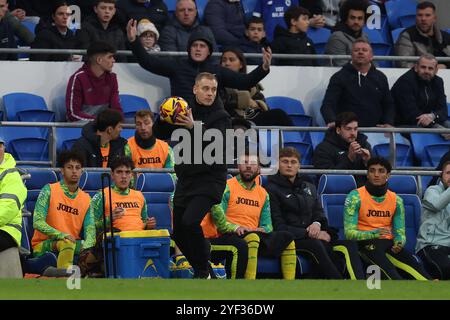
<point x="140" y="254"/>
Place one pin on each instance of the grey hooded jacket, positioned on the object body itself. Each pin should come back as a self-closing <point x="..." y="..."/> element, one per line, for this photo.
<point x="435" y="220"/>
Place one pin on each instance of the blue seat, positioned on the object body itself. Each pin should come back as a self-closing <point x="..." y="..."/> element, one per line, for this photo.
<point x="403" y="184"/>
<point x="316" y="138"/>
<point x="59" y="106"/>
<point x="91" y="182"/>
<point x="380" y="46"/>
<point x="29" y="25"/>
<point x="171" y="5"/>
<point x="157" y="189"/>
<point x="127" y="133"/>
<point x="448" y="111"/>
<point x="131" y="104"/>
<point x="293" y="107"/>
<point x="263" y="180"/>
<point x="336" y="184"/>
<point x="433" y="153"/>
<point x="17" y="102"/>
<point x="248" y="6"/>
<point x="320" y="38"/>
<point x="273" y="266"/>
<point x="38" y="179"/>
<point x="404" y="155"/>
<point x="268" y="140"/>
<point x="30" y="264"/>
<point x="401" y="13"/>
<point x="294" y="139"/>
<point x="396" y="34"/>
<point x="407" y="13"/>
<point x="29" y="149"/>
<point x="12" y="132"/>
<point x="421" y="140"/>
<point x="201" y="4"/>
<point x="412" y="206"/>
<point x="66" y="137"/>
<point x="333" y="207"/>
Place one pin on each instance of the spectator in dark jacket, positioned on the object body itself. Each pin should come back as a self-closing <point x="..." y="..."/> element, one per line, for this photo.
<point x="424" y="37"/>
<point x="226" y="20"/>
<point x="182" y="71"/>
<point x="175" y="35"/>
<point x="359" y="87"/>
<point x="255" y="38"/>
<point x="36" y="8"/>
<point x="100" y="143"/>
<point x="419" y="96"/>
<point x="296" y="208"/>
<point x="343" y="147"/>
<point x="93" y="87"/>
<point x="7" y="39"/>
<point x="102" y="27"/>
<point x="56" y="36"/>
<point x="153" y="10"/>
<point x="294" y="39"/>
<point x="199" y="185"/>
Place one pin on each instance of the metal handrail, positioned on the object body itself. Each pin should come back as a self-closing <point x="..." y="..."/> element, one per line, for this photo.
<point x="330" y="57"/>
<point x="54" y="125"/>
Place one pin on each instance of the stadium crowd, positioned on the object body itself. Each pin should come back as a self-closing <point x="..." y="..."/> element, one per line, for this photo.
<point x="211" y="212"/>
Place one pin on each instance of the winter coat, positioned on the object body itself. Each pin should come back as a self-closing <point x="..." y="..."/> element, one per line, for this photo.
<point x="51" y="38"/>
<point x="412" y="42"/>
<point x="293" y="43"/>
<point x="340" y="42"/>
<point x="367" y="96"/>
<point x="199" y="179"/>
<point x="89" y="147"/>
<point x="175" y="36"/>
<point x="294" y="206"/>
<point x="92" y="30"/>
<point x="414" y="96"/>
<point x="7" y="40"/>
<point x="435" y="219"/>
<point x="87" y="95"/>
<point x="182" y="71"/>
<point x="332" y="153"/>
<point x="14" y="194"/>
<point x="154" y="10"/>
<point x="226" y="20"/>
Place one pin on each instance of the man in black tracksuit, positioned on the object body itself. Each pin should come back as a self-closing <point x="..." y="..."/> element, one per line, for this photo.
<point x="98" y="137"/>
<point x="182" y="71"/>
<point x="295" y="208"/>
<point x="343" y="147"/>
<point x="419" y="95"/>
<point x="360" y="88"/>
<point x="201" y="185"/>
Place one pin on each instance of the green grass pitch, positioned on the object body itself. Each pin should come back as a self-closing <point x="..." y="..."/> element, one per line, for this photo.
<point x="186" y="289"/>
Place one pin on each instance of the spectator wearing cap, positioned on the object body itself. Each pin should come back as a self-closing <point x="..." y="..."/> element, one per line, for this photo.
<point x="148" y="35"/>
